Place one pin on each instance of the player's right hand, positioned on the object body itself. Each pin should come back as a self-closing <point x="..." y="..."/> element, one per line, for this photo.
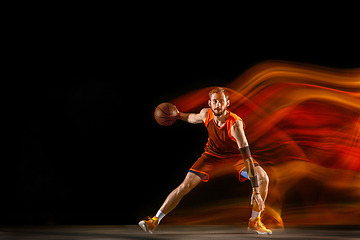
<point x="177" y="111"/>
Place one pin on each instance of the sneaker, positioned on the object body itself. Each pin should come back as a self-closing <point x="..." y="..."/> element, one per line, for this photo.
<point x="257" y="226"/>
<point x="149" y="225"/>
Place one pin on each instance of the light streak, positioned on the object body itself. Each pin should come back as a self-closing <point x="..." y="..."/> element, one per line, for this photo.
<point x="302" y="124"/>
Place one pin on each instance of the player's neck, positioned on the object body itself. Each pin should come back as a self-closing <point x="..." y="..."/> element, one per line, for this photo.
<point x="220" y="120"/>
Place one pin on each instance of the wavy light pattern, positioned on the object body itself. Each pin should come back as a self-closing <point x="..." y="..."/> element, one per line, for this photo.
<point x="303" y="126"/>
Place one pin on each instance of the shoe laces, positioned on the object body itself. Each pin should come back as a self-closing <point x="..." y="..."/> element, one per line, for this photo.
<point x="258" y="222"/>
<point x="152" y="220"/>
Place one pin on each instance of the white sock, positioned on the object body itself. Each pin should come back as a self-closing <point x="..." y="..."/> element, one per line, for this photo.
<point x="254" y="215"/>
<point x="160" y="215"/>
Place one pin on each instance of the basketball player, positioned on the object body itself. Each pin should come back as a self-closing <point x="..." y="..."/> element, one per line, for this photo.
<point x="227" y="147"/>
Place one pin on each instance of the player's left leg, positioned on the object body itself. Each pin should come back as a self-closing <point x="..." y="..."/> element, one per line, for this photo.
<point x="255" y="223"/>
<point x="263" y="181"/>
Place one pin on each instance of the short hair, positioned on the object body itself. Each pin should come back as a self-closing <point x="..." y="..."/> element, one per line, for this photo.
<point x="219" y="90"/>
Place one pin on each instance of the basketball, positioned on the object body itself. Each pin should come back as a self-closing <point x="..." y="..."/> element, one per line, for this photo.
<point x="165" y="114"/>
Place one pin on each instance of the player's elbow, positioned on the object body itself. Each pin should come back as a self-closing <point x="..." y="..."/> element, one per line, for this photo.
<point x="192" y="118"/>
<point x="195" y="119"/>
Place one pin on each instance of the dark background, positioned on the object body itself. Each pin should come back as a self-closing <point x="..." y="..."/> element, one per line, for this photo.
<point x="85" y="81"/>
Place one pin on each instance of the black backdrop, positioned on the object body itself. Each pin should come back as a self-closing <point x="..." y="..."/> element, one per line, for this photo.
<point x="86" y="80"/>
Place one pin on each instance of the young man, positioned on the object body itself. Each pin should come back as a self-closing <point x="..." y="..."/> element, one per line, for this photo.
<point x="227" y="146"/>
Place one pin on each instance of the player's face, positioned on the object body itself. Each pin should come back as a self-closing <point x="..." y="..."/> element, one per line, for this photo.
<point x="218" y="103"/>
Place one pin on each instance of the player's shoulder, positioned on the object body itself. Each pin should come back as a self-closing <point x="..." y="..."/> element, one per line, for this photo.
<point x="203" y="113"/>
<point x="236" y="121"/>
<point x="233" y="116"/>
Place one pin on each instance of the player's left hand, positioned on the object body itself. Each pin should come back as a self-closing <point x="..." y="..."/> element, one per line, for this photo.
<point x="258" y="199"/>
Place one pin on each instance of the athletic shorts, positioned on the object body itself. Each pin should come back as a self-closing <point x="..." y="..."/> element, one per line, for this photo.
<point x="209" y="165"/>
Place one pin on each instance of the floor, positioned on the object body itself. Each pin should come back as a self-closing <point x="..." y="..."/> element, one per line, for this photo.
<point x="170" y="232"/>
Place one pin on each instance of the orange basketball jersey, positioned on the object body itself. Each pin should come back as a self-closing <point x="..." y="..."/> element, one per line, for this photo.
<point x="220" y="142"/>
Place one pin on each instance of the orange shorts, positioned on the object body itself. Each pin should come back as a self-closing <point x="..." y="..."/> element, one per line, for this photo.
<point x="208" y="165"/>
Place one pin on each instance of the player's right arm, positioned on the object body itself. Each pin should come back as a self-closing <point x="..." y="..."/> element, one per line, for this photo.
<point x="194" y="118"/>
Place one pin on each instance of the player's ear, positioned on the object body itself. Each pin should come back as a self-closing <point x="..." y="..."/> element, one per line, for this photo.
<point x="209" y="103"/>
<point x="227" y="103"/>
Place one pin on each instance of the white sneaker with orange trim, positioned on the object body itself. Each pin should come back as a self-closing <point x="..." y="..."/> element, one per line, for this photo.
<point x="257" y="226"/>
<point x="149" y="225"/>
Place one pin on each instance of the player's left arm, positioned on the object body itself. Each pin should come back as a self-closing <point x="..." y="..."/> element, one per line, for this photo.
<point x="193" y="118"/>
<point x="237" y="131"/>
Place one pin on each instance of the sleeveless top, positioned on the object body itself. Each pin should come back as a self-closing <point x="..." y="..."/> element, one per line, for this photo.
<point x="220" y="142"/>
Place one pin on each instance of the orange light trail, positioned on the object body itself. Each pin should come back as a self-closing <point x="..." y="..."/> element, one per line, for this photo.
<point x="303" y="125"/>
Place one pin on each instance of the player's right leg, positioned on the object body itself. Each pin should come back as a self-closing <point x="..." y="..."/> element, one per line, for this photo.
<point x="191" y="180"/>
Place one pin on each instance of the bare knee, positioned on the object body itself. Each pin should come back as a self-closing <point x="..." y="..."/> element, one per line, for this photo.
<point x="188" y="184"/>
<point x="184" y="188"/>
<point x="263" y="178"/>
